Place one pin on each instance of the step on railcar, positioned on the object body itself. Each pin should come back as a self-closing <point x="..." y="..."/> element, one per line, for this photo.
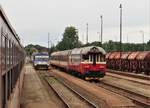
<point x="41" y="60"/>
<point x="12" y="57"/>
<point x="87" y="62"/>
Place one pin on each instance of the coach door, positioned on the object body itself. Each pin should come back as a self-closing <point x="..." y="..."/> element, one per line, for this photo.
<point x="92" y="58"/>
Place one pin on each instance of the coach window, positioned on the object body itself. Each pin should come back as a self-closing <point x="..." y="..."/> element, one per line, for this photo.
<point x="6" y="50"/>
<point x="12" y="53"/>
<point x="8" y="53"/>
<point x="3" y="52"/>
<point x="0" y="49"/>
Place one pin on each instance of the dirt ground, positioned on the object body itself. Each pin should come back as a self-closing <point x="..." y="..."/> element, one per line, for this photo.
<point x="97" y="94"/>
<point x="130" y="85"/>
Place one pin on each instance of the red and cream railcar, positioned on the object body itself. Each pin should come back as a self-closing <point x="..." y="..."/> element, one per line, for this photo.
<point x="88" y="62"/>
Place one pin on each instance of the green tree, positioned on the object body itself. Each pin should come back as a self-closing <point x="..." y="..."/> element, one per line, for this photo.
<point x="70" y="39"/>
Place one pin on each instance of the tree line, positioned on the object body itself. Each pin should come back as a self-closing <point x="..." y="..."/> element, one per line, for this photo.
<point x="70" y="40"/>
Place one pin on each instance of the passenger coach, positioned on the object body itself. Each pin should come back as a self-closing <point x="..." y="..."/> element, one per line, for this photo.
<point x="12" y="56"/>
<point x="87" y="62"/>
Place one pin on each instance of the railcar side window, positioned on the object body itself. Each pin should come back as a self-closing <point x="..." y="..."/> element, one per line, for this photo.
<point x="85" y="58"/>
<point x="91" y="58"/>
<point x="0" y="48"/>
<point x="97" y="57"/>
<point x="102" y="58"/>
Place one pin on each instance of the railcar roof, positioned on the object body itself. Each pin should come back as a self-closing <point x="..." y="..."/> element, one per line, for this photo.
<point x="60" y="53"/>
<point x="83" y="50"/>
<point x="38" y="54"/>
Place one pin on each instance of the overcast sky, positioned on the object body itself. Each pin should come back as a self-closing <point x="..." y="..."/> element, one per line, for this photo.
<point x="33" y="19"/>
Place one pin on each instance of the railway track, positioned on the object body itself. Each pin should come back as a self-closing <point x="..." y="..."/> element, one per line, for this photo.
<point x="70" y="97"/>
<point x="131" y="79"/>
<point x="139" y="99"/>
<point x="132" y="75"/>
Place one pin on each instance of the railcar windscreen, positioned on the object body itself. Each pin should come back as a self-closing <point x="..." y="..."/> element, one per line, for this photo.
<point x="41" y="58"/>
<point x="93" y="57"/>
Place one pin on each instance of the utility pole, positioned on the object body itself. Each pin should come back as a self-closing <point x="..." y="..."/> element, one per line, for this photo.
<point x="120" y="34"/>
<point x="127" y="39"/>
<point x="48" y="45"/>
<point x="120" y="28"/>
<point x="87" y="33"/>
<point x="99" y="36"/>
<point x="83" y="38"/>
<point x="142" y="32"/>
<point x="101" y="17"/>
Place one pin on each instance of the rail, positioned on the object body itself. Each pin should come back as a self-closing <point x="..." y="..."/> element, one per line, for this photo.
<point x="138" y="98"/>
<point x="129" y="74"/>
<point x="67" y="105"/>
<point x="95" y="106"/>
<point x="68" y="87"/>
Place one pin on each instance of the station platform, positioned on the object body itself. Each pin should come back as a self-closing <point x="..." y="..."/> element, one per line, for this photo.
<point x="34" y="94"/>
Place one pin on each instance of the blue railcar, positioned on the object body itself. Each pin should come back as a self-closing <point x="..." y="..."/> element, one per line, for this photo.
<point x="41" y="60"/>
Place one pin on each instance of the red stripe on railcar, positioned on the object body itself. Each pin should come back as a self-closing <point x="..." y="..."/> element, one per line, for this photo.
<point x="83" y="68"/>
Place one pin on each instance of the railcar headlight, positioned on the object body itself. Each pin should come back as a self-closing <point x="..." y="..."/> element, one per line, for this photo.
<point x="35" y="64"/>
<point x="101" y="66"/>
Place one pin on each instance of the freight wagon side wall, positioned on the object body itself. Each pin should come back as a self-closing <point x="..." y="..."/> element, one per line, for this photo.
<point x="14" y="101"/>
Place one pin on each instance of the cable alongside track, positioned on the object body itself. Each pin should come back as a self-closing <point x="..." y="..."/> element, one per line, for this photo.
<point x="137" y="98"/>
<point x="69" y="96"/>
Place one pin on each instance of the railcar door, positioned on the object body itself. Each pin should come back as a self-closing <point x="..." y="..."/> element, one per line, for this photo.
<point x="93" y="58"/>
